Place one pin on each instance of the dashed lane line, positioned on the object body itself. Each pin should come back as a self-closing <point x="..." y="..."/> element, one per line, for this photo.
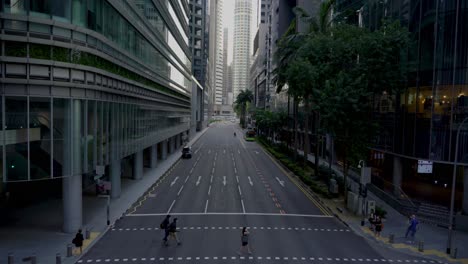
<point x="254" y="258"/>
<point x="310" y="229"/>
<point x="240" y="213"/>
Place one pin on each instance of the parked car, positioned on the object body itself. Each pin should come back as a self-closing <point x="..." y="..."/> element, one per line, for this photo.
<point x="187" y="152"/>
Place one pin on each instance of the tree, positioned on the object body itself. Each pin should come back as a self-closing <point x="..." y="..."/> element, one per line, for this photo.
<point x="294" y="69"/>
<point x="243" y="98"/>
<point x="337" y="70"/>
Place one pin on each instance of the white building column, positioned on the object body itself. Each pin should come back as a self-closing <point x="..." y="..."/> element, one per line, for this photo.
<point x="138" y="165"/>
<point x="397" y="175"/>
<point x="71" y="168"/>
<point x="153" y="156"/>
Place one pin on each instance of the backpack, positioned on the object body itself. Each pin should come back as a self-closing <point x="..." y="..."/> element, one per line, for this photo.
<point x="164" y="224"/>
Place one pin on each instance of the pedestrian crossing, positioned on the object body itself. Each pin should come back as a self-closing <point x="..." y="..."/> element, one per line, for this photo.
<point x="276" y="259"/>
<point x="309" y="229"/>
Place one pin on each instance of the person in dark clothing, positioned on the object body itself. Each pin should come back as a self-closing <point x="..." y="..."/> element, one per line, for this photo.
<point x="378" y="226"/>
<point x="173" y="232"/>
<point x="412" y="227"/>
<point x="78" y="241"/>
<point x="245" y="242"/>
<point x="165" y="226"/>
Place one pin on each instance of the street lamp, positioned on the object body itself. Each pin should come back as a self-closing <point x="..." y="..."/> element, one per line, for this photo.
<point x="454" y="179"/>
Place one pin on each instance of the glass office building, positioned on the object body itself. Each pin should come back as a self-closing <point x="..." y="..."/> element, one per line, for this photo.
<point x="86" y="84"/>
<point x="421" y="123"/>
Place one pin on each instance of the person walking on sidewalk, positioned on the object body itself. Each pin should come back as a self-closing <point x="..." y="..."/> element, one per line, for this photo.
<point x="412" y="227"/>
<point x="165" y="226"/>
<point x="78" y="241"/>
<point x="245" y="242"/>
<point x="378" y="226"/>
<point x="173" y="232"/>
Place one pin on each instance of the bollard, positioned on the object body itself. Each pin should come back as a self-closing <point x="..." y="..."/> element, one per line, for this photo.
<point x="87" y="233"/>
<point x="69" y="250"/>
<point x="391" y="239"/>
<point x="33" y="259"/>
<point x="58" y="259"/>
<point x="11" y="258"/>
<point x="421" y="246"/>
<point x="454" y="253"/>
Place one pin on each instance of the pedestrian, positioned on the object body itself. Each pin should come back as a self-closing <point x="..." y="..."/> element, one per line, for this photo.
<point x="245" y="241"/>
<point x="173" y="232"/>
<point x="165" y="226"/>
<point x="412" y="227"/>
<point x="78" y="241"/>
<point x="372" y="218"/>
<point x="378" y="226"/>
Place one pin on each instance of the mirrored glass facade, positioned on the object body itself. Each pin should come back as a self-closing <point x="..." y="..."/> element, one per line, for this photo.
<point x="421" y="123"/>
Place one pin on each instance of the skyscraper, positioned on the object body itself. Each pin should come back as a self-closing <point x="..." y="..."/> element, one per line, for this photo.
<point x="242" y="50"/>
<point x="225" y="65"/>
<point x="216" y="49"/>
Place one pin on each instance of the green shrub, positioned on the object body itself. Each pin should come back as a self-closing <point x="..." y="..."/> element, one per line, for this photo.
<point x="60" y="54"/>
<point x="15" y="49"/>
<point x="379" y="211"/>
<point x="39" y="51"/>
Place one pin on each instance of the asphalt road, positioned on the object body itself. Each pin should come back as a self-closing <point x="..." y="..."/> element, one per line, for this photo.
<point x="228" y="184"/>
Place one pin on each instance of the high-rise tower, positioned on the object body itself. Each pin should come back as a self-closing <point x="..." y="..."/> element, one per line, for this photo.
<point x="242" y="49"/>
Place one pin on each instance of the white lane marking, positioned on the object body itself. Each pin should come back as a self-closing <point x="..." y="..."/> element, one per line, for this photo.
<point x="224" y="151"/>
<point x="258" y="214"/>
<point x="211" y="180"/>
<point x="212" y="171"/>
<point x="235" y="170"/>
<point x="238" y="151"/>
<point x="237" y="178"/>
<point x="198" y="181"/>
<point x="191" y="170"/>
<point x="209" y="151"/>
<point x="206" y="207"/>
<point x="280" y="181"/>
<point x="209" y="190"/>
<point x="224" y="180"/>
<point x="250" y="181"/>
<point x="181" y="188"/>
<point x="170" y="208"/>
<point x="256" y="152"/>
<point x="174" y="181"/>
<point x="186" y="179"/>
<point x="243" y="207"/>
<point x="240" y="193"/>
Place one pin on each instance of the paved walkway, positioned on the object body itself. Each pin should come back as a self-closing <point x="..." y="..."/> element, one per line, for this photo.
<point x="434" y="238"/>
<point x="38" y="230"/>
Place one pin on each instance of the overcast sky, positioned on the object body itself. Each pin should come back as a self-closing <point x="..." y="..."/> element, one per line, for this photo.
<point x="228" y="21"/>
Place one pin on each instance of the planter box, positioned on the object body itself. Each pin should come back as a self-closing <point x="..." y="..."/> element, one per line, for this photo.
<point x="461" y="222"/>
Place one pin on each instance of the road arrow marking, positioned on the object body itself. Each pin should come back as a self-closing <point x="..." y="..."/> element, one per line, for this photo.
<point x="224" y="181"/>
<point x="250" y="181"/>
<point x="198" y="181"/>
<point x="280" y="181"/>
<point x="175" y="180"/>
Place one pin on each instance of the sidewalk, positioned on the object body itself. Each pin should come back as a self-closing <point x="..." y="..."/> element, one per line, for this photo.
<point x="38" y="231"/>
<point x="434" y="238"/>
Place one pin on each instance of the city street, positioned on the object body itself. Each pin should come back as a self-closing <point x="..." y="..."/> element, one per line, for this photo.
<point x="228" y="184"/>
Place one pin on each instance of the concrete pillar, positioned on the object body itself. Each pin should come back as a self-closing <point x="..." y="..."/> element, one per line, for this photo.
<point x="115" y="178"/>
<point x="465" y="190"/>
<point x="138" y="165"/>
<point x="153" y="156"/>
<point x="397" y="175"/>
<point x="164" y="149"/>
<point x="72" y="181"/>
<point x="115" y="166"/>
<point x="171" y="145"/>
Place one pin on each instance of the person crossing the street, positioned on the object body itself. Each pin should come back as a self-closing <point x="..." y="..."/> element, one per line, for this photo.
<point x="165" y="226"/>
<point x="173" y="232"/>
<point x="245" y="242"/>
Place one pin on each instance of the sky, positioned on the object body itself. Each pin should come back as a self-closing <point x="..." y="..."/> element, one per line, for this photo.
<point x="228" y="21"/>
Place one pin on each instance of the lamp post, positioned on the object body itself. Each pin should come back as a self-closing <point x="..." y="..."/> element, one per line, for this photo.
<point x="362" y="191"/>
<point x="454" y="179"/>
